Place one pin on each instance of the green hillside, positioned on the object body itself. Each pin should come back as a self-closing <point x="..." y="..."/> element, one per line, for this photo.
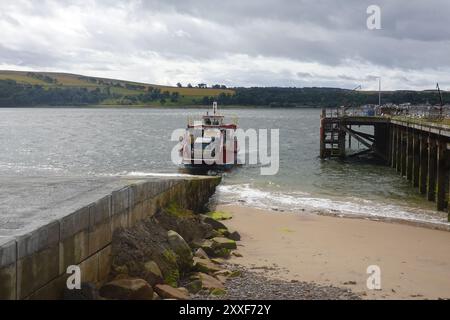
<point x="106" y="91"/>
<point x="28" y="89"/>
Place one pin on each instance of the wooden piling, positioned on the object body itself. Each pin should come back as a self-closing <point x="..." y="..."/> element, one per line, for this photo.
<point x="393" y="146"/>
<point x="441" y="177"/>
<point x="423" y="170"/>
<point x="448" y="199"/>
<point x="403" y="152"/>
<point x="350" y="139"/>
<point x="342" y="139"/>
<point x="398" y="167"/>
<point x="419" y="152"/>
<point x="322" y="134"/>
<point x="416" y="159"/>
<point x="409" y="154"/>
<point x="431" y="176"/>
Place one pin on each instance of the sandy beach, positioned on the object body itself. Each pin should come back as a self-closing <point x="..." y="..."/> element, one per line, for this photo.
<point x="414" y="261"/>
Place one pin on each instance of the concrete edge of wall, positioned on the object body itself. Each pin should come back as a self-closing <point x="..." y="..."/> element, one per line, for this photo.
<point x="34" y="266"/>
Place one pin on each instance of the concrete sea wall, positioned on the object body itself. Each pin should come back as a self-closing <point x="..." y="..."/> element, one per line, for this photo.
<point x="34" y="265"/>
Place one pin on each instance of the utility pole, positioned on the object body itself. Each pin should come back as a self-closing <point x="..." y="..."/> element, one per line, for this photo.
<point x="441" y="101"/>
<point x="379" y="91"/>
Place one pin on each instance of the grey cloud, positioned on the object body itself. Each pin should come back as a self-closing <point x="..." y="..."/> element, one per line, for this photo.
<point x="414" y="33"/>
<point x="112" y="34"/>
<point x="304" y="75"/>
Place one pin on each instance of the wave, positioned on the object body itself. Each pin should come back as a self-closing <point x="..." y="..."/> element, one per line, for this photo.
<point x="18" y="168"/>
<point x="156" y="174"/>
<point x="298" y="201"/>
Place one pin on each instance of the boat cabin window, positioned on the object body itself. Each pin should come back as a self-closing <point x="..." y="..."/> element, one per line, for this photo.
<point x="212" y="121"/>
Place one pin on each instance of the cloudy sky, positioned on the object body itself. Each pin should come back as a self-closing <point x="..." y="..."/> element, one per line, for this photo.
<point x="233" y="42"/>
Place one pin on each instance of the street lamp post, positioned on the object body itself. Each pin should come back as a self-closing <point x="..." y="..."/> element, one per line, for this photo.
<point x="379" y="91"/>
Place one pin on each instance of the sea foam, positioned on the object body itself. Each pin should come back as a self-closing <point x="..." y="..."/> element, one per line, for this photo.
<point x="296" y="201"/>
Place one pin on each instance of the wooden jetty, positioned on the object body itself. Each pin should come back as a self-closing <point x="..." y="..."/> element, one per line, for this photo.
<point x="418" y="149"/>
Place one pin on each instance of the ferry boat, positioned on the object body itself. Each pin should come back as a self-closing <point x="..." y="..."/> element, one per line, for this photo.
<point x="209" y="142"/>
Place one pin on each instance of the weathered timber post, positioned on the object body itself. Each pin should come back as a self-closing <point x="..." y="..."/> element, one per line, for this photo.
<point x="441" y="177"/>
<point x="382" y="141"/>
<point x="393" y="146"/>
<point x="431" y="177"/>
<point x="409" y="154"/>
<point x="416" y="159"/>
<point x="322" y="133"/>
<point x="403" y="150"/>
<point x="399" y="149"/>
<point x="448" y="180"/>
<point x="388" y="145"/>
<point x="350" y="139"/>
<point x="423" y="170"/>
<point x="341" y="142"/>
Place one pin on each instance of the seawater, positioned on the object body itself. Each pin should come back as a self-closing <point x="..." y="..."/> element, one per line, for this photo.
<point x="100" y="141"/>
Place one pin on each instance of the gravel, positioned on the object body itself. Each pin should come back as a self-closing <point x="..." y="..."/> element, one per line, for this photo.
<point x="255" y="286"/>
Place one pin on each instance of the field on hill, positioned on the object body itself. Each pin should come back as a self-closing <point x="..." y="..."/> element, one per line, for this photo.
<point x="117" y="92"/>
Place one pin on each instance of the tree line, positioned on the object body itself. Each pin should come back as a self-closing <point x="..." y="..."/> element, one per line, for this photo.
<point x="14" y="94"/>
<point x="320" y="97"/>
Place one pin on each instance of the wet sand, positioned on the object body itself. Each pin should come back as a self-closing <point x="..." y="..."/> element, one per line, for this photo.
<point x="414" y="261"/>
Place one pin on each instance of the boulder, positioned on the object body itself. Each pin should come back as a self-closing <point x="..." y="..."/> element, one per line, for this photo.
<point x="120" y="269"/>
<point x="208" y="282"/>
<point x="170" y="268"/>
<point x="219" y="261"/>
<point x="220" y="215"/>
<point x="237" y="254"/>
<point x="205" y="265"/>
<point x="88" y="292"/>
<point x="181" y="249"/>
<point x="205" y="245"/>
<point x="217" y="225"/>
<point x="153" y="273"/>
<point x="222" y="279"/>
<point x="122" y="276"/>
<point x="127" y="289"/>
<point x="168" y="292"/>
<point x="218" y="292"/>
<point x="235" y="274"/>
<point x="234" y="236"/>
<point x="222" y="253"/>
<point x="184" y="290"/>
<point x="223" y="243"/>
<point x="194" y="286"/>
<point x="216" y="233"/>
<point x="200" y="253"/>
<point x="224" y="273"/>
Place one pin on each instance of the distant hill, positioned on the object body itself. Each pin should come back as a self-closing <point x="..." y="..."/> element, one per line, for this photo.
<point x="19" y="89"/>
<point x="45" y="85"/>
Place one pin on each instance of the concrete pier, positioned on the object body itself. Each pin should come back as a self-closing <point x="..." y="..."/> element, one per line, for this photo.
<point x="48" y="224"/>
<point x="418" y="150"/>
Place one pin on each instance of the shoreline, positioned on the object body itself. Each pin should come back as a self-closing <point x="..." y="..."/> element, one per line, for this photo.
<point x="168" y="107"/>
<point x="442" y="226"/>
<point x="400" y="221"/>
<point x="336" y="251"/>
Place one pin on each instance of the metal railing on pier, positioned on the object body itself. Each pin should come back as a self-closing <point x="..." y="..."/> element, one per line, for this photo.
<point x="425" y="112"/>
